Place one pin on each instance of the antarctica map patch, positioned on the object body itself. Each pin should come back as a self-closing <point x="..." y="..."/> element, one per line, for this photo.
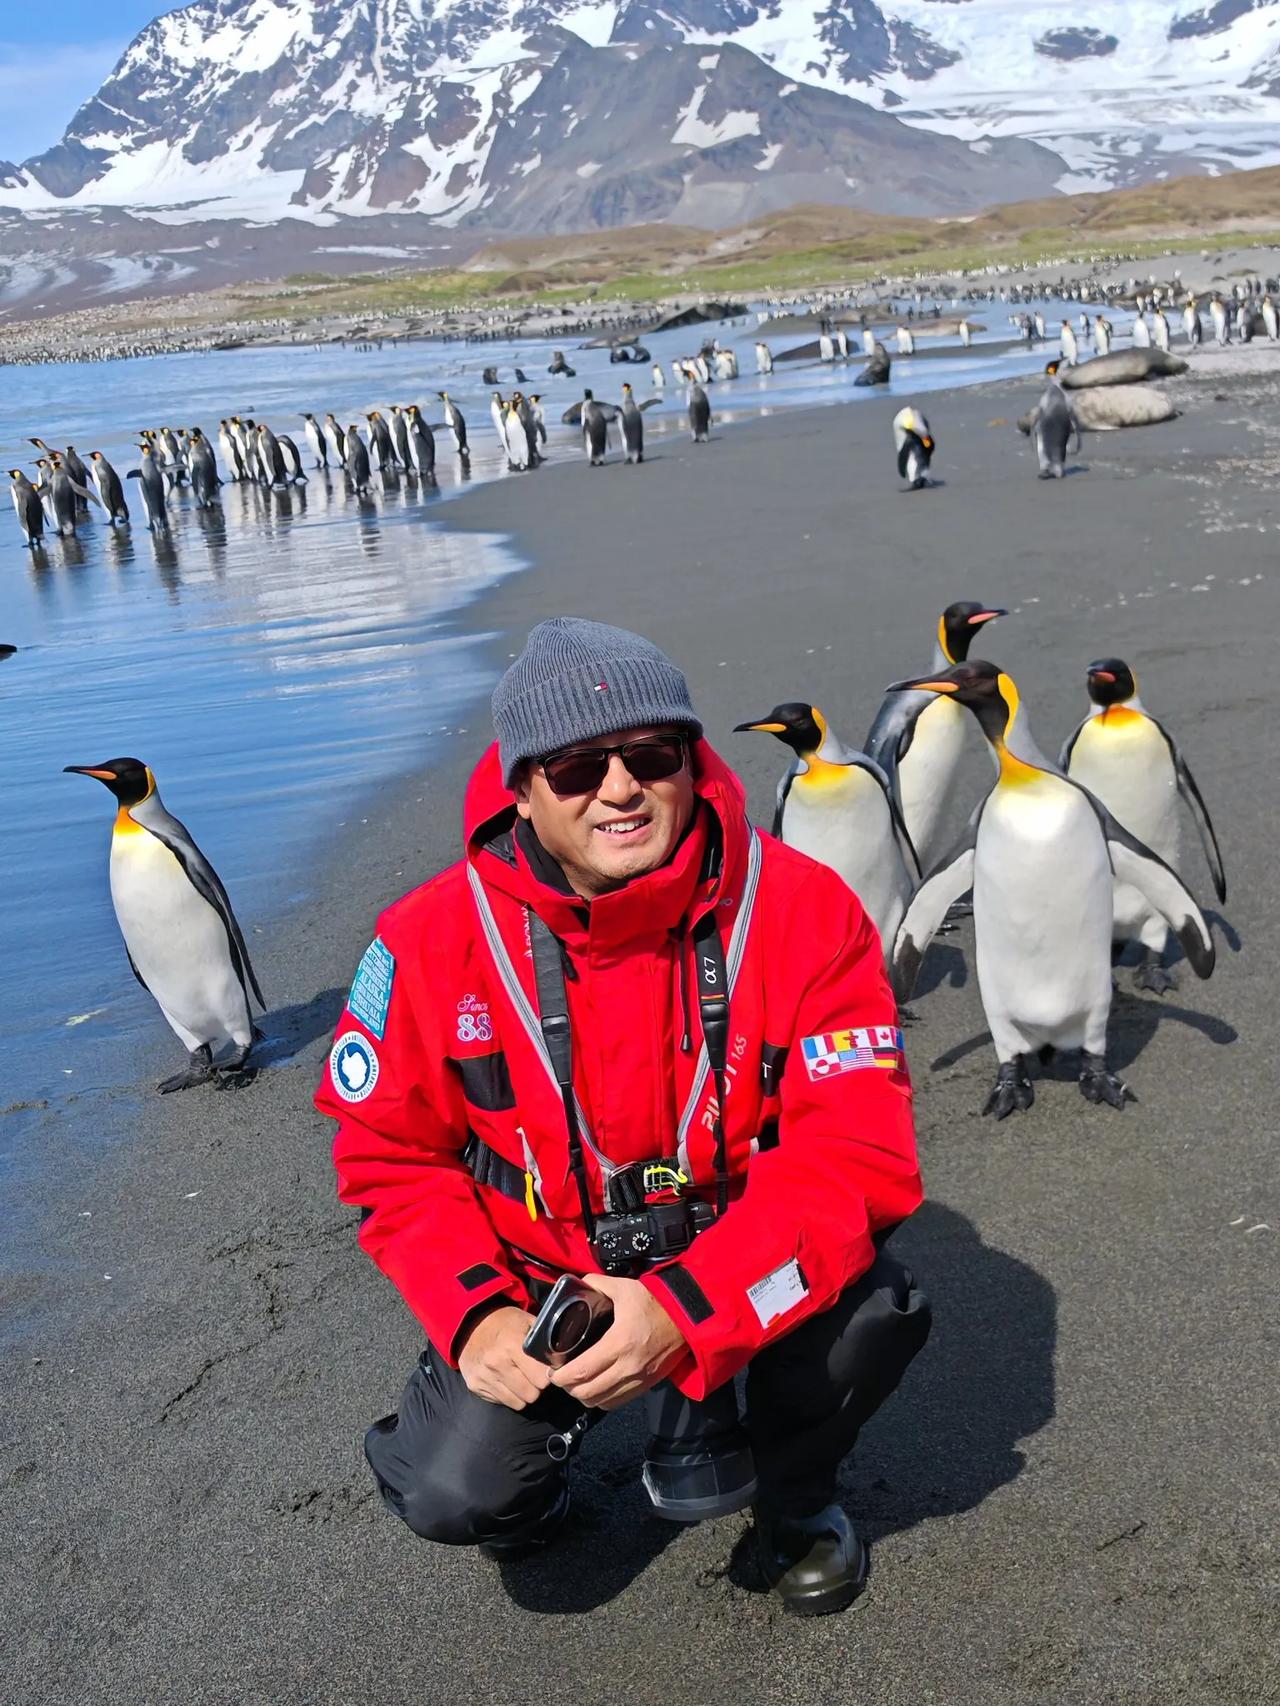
<point x="370" y="995"/>
<point x="854" y="1051"/>
<point x="353" y="1066"/>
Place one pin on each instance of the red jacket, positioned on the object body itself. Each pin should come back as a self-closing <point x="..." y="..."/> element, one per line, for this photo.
<point x="432" y="1048"/>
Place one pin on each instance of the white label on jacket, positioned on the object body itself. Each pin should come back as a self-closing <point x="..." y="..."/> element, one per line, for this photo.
<point x="353" y="1066"/>
<point x="777" y="1292"/>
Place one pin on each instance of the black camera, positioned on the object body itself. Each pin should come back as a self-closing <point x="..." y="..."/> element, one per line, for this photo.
<point x="625" y="1243"/>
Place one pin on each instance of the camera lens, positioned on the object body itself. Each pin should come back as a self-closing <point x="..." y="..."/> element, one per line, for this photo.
<point x="569" y="1326"/>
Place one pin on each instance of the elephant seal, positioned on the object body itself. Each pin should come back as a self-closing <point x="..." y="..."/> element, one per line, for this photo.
<point x="1121" y="367"/>
<point x="1106" y="410"/>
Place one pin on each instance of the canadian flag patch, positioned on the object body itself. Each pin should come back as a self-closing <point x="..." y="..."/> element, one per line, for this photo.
<point x="870" y="1046"/>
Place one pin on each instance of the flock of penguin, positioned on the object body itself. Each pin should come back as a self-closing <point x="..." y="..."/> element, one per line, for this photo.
<point x="1068" y="862"/>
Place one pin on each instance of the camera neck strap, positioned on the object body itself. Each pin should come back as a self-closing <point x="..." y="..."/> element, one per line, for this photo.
<point x="557" y="1035"/>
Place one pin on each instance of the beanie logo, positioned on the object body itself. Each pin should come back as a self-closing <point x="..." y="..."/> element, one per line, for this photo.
<point x="602" y="686"/>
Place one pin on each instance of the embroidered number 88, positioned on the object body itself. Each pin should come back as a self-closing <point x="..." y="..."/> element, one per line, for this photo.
<point x="475" y="1028"/>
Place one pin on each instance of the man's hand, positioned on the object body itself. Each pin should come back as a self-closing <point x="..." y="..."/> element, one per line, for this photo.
<point x="638" y="1350"/>
<point x="492" y="1363"/>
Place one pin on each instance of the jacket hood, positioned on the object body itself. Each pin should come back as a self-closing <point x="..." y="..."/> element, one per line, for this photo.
<point x="674" y="895"/>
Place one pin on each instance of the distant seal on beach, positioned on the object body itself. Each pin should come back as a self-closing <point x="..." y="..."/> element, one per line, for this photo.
<point x="1106" y="410"/>
<point x="1122" y="367"/>
<point x="876" y="372"/>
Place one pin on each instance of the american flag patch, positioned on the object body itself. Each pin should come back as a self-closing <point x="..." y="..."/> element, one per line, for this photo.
<point x="853" y="1051"/>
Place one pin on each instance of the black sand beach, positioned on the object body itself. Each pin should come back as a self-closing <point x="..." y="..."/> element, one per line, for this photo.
<point x="1073" y="1495"/>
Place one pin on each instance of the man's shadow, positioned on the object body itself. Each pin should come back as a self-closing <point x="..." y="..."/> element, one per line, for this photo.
<point x="948" y="1438"/>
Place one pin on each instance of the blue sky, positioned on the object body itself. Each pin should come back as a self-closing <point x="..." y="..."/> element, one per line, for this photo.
<point x="53" y="59"/>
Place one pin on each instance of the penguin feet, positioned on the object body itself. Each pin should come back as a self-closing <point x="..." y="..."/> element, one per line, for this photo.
<point x="235" y="1073"/>
<point x="1099" y="1085"/>
<point x="1150" y="974"/>
<point x="1013" y="1089"/>
<point x="199" y="1071"/>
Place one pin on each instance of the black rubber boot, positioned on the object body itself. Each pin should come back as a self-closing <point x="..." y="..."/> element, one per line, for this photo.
<point x="531" y="1536"/>
<point x="700" y="1480"/>
<point x="815" y="1564"/>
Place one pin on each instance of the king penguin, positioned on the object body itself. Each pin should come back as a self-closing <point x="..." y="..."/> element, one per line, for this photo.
<point x="1133" y="765"/>
<point x="914" y="444"/>
<point x="457" y="425"/>
<point x="699" y="415"/>
<point x="184" y="944"/>
<point x="1039" y="855"/>
<point x="837" y="806"/>
<point x="632" y="427"/>
<point x="29" y="509"/>
<point x="1054" y="423"/>
<point x="917" y="739"/>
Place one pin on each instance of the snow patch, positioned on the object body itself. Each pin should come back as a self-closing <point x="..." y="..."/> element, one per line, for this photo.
<point x="694" y="132"/>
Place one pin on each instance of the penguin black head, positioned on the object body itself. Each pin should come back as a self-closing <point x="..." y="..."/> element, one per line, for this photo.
<point x="1111" y="681"/>
<point x="799" y="726"/>
<point x="128" y="778"/>
<point x="984" y="687"/>
<point x="960" y="624"/>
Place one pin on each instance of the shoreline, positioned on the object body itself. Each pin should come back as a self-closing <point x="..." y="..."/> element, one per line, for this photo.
<point x="209" y="1396"/>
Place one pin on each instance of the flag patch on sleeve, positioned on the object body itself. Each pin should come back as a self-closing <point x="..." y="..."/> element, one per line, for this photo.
<point x="853" y="1051"/>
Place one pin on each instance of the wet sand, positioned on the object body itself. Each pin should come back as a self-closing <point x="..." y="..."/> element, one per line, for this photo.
<point x="1073" y="1493"/>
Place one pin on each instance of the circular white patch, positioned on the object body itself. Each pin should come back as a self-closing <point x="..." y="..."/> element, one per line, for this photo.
<point x="353" y="1066"/>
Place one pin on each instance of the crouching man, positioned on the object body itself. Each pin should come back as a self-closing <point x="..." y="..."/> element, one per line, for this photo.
<point x="627" y="1037"/>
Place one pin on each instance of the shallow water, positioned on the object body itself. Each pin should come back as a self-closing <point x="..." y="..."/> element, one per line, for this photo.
<point x="273" y="658"/>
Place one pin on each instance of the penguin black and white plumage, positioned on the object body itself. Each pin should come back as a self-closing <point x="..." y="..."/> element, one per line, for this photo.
<point x="336" y="438"/>
<point x="1132" y="764"/>
<point x="151" y="484"/>
<point x="632" y="427"/>
<point x="837" y="806"/>
<point x="914" y="444"/>
<point x="1068" y="345"/>
<point x="537" y="415"/>
<point x="1160" y="335"/>
<point x="184" y="945"/>
<point x="292" y="459"/>
<point x="65" y="495"/>
<point x="109" y="489"/>
<point x="595" y="432"/>
<point x="1270" y="319"/>
<point x="457" y="425"/>
<point x="205" y="483"/>
<point x="764" y="358"/>
<point x="498" y="415"/>
<point x="270" y="458"/>
<point x="868" y="341"/>
<point x="400" y="435"/>
<point x="315" y="438"/>
<point x="231" y="453"/>
<point x="519" y="449"/>
<point x="906" y="341"/>
<point x="382" y="450"/>
<point x="1054" y="423"/>
<point x="966" y="333"/>
<point x="357" y="463"/>
<point x="422" y="446"/>
<point x="918" y="739"/>
<point x="1221" y="327"/>
<point x="659" y="377"/>
<point x="1191" y="325"/>
<point x="1141" y="332"/>
<point x="1102" y="335"/>
<point x="699" y="415"/>
<point x="1041" y="854"/>
<point x="27" y="507"/>
<point x="175" y="464"/>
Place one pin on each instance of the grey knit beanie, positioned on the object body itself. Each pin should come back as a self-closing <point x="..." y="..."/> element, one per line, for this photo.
<point x="576" y="681"/>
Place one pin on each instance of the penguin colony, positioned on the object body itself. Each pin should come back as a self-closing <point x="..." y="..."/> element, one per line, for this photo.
<point x="1069" y="863"/>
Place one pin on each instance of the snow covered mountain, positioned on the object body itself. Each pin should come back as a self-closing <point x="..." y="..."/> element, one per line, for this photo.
<point x="559" y="114"/>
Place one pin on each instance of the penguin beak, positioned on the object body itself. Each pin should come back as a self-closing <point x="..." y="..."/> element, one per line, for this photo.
<point x="981" y="616"/>
<point x="88" y="770"/>
<point x="922" y="684"/>
<point x="760" y="728"/>
<point x="1102" y="675"/>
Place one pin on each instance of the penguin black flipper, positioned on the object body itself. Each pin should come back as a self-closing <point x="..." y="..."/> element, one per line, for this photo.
<point x="784" y="788"/>
<point x="864" y="761"/>
<point x="890" y="736"/>
<point x="903" y="454"/>
<point x="1069" y="745"/>
<point x="951" y="877"/>
<point x="207" y="883"/>
<point x="133" y="968"/>
<point x="1134" y="862"/>
<point x="1194" y="799"/>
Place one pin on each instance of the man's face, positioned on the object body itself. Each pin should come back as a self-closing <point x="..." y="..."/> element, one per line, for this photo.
<point x="616" y="831"/>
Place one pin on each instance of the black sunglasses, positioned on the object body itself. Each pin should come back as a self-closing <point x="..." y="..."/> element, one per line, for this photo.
<point x="582" y="769"/>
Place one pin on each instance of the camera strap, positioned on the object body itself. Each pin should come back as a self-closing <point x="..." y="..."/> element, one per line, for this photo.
<point x="713" y="1010"/>
<point x="553" y="1017"/>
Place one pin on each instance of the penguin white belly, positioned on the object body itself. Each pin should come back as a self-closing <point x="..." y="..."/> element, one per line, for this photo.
<point x="1125" y="761"/>
<point x="838" y="815"/>
<point x="177" y="941"/>
<point x="926" y="776"/>
<point x="1042" y="919"/>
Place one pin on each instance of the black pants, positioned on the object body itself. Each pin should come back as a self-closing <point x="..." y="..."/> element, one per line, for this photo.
<point x="460" y="1470"/>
